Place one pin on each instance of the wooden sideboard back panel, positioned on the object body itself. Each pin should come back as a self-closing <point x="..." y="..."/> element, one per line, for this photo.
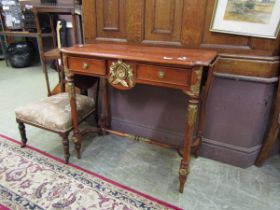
<point x="111" y="16"/>
<point x="166" y="22"/>
<point x="247" y="67"/>
<point x="163" y="21"/>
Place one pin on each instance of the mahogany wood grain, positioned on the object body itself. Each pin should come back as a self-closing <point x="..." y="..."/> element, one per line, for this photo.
<point x="105" y="119"/>
<point x="134" y="21"/>
<point x="219" y="38"/>
<point x="269" y="45"/>
<point x="184" y="23"/>
<point x="144" y="53"/>
<point x="89" y="21"/>
<point x="145" y="24"/>
<point x="248" y="67"/>
<point x="163" y="75"/>
<point x="111" y="16"/>
<point x="52" y="54"/>
<point x="163" y="20"/>
<point x="87" y="65"/>
<point x="150" y="67"/>
<point x="191" y="27"/>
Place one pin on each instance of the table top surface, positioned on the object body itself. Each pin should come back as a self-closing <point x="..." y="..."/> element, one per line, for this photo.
<point x="144" y="53"/>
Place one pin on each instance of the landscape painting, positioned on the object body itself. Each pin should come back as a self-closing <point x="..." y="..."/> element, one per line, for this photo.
<point x="253" y="11"/>
<point x="258" y="18"/>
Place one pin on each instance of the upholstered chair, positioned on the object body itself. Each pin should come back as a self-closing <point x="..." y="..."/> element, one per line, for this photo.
<point x="53" y="114"/>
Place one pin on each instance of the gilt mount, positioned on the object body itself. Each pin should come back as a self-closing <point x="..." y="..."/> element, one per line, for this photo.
<point x="121" y="75"/>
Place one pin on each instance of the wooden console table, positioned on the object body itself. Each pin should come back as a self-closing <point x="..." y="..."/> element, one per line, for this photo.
<point x="124" y="66"/>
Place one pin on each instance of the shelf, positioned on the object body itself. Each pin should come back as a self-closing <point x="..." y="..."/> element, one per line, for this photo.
<point x="61" y="9"/>
<point x="52" y="54"/>
<point x="24" y="33"/>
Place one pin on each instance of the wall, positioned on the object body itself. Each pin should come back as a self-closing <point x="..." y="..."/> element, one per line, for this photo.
<point x="237" y="111"/>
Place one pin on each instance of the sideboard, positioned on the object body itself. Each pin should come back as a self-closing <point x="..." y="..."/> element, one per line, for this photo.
<point x="124" y="66"/>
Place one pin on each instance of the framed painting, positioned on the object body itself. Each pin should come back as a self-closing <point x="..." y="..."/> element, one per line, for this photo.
<point x="259" y="18"/>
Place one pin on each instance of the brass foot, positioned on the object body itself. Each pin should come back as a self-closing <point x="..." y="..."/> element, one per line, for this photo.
<point x="183" y="172"/>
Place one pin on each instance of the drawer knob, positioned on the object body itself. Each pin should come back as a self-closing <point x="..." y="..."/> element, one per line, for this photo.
<point x="161" y="74"/>
<point x="85" y="66"/>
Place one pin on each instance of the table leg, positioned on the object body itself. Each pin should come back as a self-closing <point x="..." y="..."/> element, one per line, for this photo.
<point x="105" y="119"/>
<point x="202" y="110"/>
<point x="193" y="105"/>
<point x="73" y="106"/>
<point x="184" y="167"/>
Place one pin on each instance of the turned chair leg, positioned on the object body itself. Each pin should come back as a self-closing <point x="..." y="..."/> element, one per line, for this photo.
<point x="22" y="132"/>
<point x="65" y="142"/>
<point x="78" y="149"/>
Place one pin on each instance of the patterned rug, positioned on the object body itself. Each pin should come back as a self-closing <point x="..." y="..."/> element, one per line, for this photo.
<point x="32" y="179"/>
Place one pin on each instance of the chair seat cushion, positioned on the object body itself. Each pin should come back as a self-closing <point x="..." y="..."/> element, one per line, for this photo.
<point x="54" y="113"/>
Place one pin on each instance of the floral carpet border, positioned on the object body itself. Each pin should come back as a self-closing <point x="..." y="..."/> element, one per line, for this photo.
<point x="83" y="176"/>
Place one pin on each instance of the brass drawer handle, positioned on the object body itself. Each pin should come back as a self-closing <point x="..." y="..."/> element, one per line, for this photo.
<point x="161" y="74"/>
<point x="85" y="66"/>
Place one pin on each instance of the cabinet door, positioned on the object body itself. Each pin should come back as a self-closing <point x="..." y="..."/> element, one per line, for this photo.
<point x="163" y="21"/>
<point x="111" y="19"/>
<point x="105" y="20"/>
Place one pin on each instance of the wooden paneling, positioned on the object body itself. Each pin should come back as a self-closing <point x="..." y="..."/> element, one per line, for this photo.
<point x="248" y="67"/>
<point x="213" y="38"/>
<point x="183" y="23"/>
<point x="192" y="27"/>
<point x="163" y="20"/>
<point x="111" y="16"/>
<point x="266" y="44"/>
<point x="89" y="21"/>
<point x="135" y="16"/>
<point x="235" y="44"/>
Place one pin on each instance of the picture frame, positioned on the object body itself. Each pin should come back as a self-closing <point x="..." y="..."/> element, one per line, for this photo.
<point x="256" y="18"/>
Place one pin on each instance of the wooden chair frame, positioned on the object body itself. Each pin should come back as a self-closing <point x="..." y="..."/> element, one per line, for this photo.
<point x="63" y="135"/>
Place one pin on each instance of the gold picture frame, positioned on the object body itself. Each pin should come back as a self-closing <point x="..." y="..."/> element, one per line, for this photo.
<point x="256" y="18"/>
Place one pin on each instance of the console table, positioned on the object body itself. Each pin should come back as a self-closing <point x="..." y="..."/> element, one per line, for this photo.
<point x="124" y="65"/>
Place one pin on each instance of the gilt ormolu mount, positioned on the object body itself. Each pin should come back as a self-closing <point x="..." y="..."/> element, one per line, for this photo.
<point x="121" y="75"/>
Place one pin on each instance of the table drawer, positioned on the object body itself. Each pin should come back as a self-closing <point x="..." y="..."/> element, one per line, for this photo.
<point x="165" y="75"/>
<point x="87" y="65"/>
